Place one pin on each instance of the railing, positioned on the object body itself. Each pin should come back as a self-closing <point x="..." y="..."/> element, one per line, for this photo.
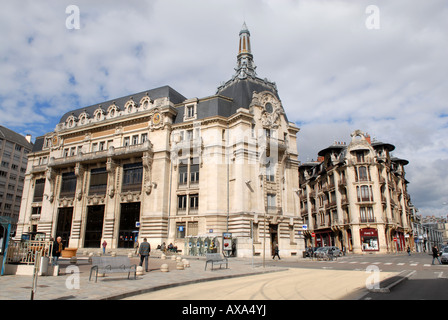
<point x="26" y="251"/>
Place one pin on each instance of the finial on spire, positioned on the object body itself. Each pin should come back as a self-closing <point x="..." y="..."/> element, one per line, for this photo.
<point x="245" y="65"/>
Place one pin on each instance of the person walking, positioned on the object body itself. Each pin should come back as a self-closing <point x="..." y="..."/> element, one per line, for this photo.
<point x="276" y="252"/>
<point x="409" y="251"/>
<point x="104" y="246"/>
<point x="58" y="246"/>
<point x="144" y="250"/>
<point x="435" y="254"/>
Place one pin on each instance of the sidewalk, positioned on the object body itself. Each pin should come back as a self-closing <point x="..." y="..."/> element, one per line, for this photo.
<point x="117" y="285"/>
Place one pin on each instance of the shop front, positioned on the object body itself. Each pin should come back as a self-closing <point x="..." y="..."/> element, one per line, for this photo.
<point x="369" y="239"/>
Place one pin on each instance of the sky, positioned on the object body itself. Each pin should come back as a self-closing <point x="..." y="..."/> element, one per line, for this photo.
<point x="339" y="65"/>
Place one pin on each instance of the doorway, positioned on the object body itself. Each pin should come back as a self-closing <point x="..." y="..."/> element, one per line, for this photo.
<point x="129" y="215"/>
<point x="273" y="232"/>
<point x="64" y="224"/>
<point x="94" y="226"/>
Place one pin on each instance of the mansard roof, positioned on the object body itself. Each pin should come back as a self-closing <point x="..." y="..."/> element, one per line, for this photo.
<point x="161" y="92"/>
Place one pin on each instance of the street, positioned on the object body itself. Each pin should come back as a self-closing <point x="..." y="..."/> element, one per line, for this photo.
<point x="342" y="279"/>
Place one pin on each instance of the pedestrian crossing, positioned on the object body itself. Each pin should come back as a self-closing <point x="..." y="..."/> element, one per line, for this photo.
<point x="377" y="263"/>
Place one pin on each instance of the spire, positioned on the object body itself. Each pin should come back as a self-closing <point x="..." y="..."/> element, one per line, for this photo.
<point x="245" y="64"/>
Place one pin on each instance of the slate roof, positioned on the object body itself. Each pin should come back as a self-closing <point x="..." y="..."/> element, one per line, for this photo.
<point x="165" y="91"/>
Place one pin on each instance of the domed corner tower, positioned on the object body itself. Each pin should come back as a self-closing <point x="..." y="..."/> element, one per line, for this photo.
<point x="263" y="160"/>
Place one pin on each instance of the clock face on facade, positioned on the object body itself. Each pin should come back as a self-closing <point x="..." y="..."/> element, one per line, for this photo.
<point x="156" y="119"/>
<point x="55" y="140"/>
<point x="268" y="107"/>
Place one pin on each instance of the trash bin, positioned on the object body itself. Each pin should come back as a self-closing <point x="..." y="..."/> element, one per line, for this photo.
<point x="43" y="269"/>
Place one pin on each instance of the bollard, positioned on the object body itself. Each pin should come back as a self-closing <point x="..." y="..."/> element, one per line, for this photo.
<point x="164" y="268"/>
<point x="180" y="266"/>
<point x="139" y="271"/>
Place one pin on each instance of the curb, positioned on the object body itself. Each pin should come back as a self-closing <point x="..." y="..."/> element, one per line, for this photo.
<point x="389" y="283"/>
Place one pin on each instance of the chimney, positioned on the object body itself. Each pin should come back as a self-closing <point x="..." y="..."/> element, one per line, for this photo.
<point x="368" y="139"/>
<point x="28" y="138"/>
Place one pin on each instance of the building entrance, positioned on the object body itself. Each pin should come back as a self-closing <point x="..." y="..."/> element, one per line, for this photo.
<point x="273" y="231"/>
<point x="129" y="215"/>
<point x="94" y="226"/>
<point x="64" y="224"/>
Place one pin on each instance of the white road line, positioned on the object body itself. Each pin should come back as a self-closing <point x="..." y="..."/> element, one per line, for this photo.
<point x="414" y="264"/>
<point x="400" y="264"/>
<point x="426" y="265"/>
<point x="388" y="263"/>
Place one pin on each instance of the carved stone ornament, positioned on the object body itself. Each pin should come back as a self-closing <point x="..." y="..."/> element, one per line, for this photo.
<point x="271" y="109"/>
<point x="157" y="120"/>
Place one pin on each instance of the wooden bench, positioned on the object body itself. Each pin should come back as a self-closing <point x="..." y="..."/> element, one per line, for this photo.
<point x="216" y="258"/>
<point x="112" y="265"/>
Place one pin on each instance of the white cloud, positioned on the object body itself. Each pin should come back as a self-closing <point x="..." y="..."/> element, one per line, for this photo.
<point x="333" y="74"/>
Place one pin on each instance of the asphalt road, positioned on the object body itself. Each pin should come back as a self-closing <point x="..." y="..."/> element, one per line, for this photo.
<point x="305" y="279"/>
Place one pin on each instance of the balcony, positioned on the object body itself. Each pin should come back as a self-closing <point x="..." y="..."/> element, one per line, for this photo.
<point x="367" y="219"/>
<point x="135" y="150"/>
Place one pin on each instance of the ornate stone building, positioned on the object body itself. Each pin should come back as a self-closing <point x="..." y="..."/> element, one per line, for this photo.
<point x="355" y="197"/>
<point x="171" y="168"/>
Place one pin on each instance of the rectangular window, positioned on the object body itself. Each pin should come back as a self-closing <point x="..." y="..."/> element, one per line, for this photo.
<point x="180" y="230"/>
<point x="190" y="111"/>
<point x="183" y="173"/>
<point x="270" y="172"/>
<point x="194" y="201"/>
<point x="132" y="177"/>
<point x="39" y="186"/>
<point x="271" y="201"/>
<point x="135" y="139"/>
<point x="126" y="141"/>
<point x="182" y="202"/>
<point x="366" y="214"/>
<point x="144" y="137"/>
<point x="68" y="185"/>
<point x="194" y="173"/>
<point x="192" y="229"/>
<point x="98" y="181"/>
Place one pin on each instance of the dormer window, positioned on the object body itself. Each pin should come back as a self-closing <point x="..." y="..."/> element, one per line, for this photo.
<point x="190" y="111"/>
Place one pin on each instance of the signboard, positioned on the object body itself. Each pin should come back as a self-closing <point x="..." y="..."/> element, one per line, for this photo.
<point x="137" y="224"/>
<point x="313" y="234"/>
<point x="304" y="227"/>
<point x="227" y="241"/>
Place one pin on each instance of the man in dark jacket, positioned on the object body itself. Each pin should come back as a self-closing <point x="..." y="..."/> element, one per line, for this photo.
<point x="58" y="246"/>
<point x="435" y="254"/>
<point x="144" y="251"/>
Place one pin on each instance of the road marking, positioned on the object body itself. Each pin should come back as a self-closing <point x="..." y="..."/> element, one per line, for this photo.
<point x="414" y="264"/>
<point x="388" y="263"/>
<point x="440" y="274"/>
<point x="400" y="264"/>
<point x="426" y="265"/>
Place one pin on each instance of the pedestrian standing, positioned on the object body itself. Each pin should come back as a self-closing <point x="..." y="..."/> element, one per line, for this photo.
<point x="435" y="254"/>
<point x="276" y="252"/>
<point x="145" y="249"/>
<point x="104" y="246"/>
<point x="58" y="246"/>
<point x="409" y="251"/>
<point x="136" y="246"/>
